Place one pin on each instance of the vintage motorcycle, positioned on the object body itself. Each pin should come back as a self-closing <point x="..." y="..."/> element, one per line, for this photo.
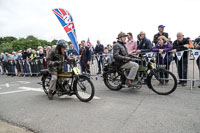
<point x="161" y="81"/>
<point x="70" y="83"/>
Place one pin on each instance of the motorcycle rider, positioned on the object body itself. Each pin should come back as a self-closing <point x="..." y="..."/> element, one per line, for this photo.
<point x="54" y="58"/>
<point x="123" y="60"/>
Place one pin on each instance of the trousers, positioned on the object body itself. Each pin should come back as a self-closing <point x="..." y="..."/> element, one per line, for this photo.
<point x="53" y="81"/>
<point x="133" y="66"/>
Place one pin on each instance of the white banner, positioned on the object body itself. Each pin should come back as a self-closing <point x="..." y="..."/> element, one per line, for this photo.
<point x="149" y="55"/>
<point x="196" y="53"/>
<point x="179" y="54"/>
<point x="98" y="57"/>
<point x="163" y="55"/>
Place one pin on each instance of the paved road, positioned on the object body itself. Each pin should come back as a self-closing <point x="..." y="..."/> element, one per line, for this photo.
<point x="126" y="111"/>
<point x="9" y="128"/>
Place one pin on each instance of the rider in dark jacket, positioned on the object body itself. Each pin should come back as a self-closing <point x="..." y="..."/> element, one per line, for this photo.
<point x="55" y="57"/>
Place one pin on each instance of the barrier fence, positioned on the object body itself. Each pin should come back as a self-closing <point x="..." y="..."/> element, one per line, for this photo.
<point x="183" y="64"/>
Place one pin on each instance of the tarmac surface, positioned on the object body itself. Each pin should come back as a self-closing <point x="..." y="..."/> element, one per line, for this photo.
<point x="23" y="103"/>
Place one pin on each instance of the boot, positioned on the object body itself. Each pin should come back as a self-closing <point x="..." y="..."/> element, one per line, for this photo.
<point x="50" y="94"/>
<point x="130" y="83"/>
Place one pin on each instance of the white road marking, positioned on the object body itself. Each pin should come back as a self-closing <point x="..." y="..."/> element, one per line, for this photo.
<point x="74" y="96"/>
<point x="41" y="90"/>
<point x="12" y="92"/>
<point x="31" y="89"/>
<point x="22" y="82"/>
<point x="7" y="85"/>
<point x="0" y="88"/>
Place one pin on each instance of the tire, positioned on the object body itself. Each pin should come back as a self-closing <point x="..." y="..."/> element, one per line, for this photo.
<point x="81" y="88"/>
<point x="46" y="83"/>
<point x="163" y="83"/>
<point x="107" y="79"/>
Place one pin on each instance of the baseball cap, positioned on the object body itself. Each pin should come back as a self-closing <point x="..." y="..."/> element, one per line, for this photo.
<point x="161" y="26"/>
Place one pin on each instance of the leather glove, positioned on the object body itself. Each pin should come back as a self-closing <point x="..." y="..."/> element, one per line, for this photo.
<point x="55" y="63"/>
<point x="128" y="59"/>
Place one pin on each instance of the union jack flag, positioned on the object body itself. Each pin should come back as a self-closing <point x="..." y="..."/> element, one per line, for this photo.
<point x="89" y="43"/>
<point x="67" y="22"/>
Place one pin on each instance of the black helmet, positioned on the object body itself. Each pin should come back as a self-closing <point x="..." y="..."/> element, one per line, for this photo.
<point x="62" y="44"/>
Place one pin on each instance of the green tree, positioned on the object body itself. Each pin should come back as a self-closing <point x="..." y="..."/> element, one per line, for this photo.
<point x="6" y="47"/>
<point x="53" y="42"/>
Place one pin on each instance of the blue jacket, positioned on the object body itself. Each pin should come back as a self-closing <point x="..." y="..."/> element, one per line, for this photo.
<point x="144" y="45"/>
<point x="85" y="54"/>
<point x="71" y="52"/>
<point x="99" y="49"/>
<point x="4" y="58"/>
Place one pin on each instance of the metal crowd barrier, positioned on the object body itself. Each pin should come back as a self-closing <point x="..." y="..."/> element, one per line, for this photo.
<point x="23" y="67"/>
<point x="190" y="73"/>
<point x="184" y="68"/>
<point x="174" y="62"/>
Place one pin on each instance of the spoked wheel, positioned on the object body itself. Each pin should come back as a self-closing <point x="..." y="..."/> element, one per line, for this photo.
<point x="138" y="86"/>
<point x="112" y="81"/>
<point x="84" y="89"/>
<point x="163" y="82"/>
<point x="46" y="83"/>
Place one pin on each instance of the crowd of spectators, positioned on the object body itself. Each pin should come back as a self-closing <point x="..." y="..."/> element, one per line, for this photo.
<point x="30" y="62"/>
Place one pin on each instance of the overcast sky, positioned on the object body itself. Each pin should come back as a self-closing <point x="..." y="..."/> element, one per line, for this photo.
<point x="99" y="20"/>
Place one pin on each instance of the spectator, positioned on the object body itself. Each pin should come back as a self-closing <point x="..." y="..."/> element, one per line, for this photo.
<point x="169" y="40"/>
<point x="114" y="42"/>
<point x="39" y="48"/>
<point x="9" y="64"/>
<point x="99" y="49"/>
<point x="110" y="49"/>
<point x="4" y="63"/>
<point x="29" y="50"/>
<point x="131" y="45"/>
<point x="161" y="47"/>
<point x="14" y="62"/>
<point x="143" y="44"/>
<point x="33" y="55"/>
<point x="26" y="55"/>
<point x="92" y="54"/>
<point x="85" y="57"/>
<point x="47" y="50"/>
<point x="197" y="46"/>
<point x="71" y="52"/>
<point x="107" y="57"/>
<point x="18" y="63"/>
<point x="160" y="33"/>
<point x="181" y="44"/>
<point x="41" y="54"/>
<point x="110" y="52"/>
<point x="54" y="46"/>
<point x="34" y="63"/>
<point x="1" y="69"/>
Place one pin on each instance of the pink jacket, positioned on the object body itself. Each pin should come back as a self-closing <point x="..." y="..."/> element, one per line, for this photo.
<point x="131" y="46"/>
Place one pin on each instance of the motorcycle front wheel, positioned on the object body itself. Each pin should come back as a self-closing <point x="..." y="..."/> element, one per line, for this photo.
<point x="84" y="88"/>
<point x="162" y="82"/>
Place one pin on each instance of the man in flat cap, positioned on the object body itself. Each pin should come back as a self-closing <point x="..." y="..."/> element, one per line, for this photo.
<point x="123" y="60"/>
